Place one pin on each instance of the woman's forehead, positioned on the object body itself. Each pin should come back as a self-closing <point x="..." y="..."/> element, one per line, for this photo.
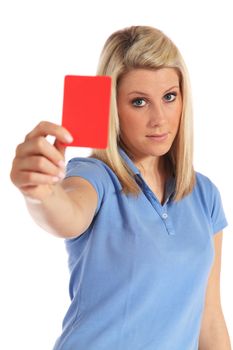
<point x="144" y="78"/>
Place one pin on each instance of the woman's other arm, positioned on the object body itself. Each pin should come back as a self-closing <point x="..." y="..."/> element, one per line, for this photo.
<point x="214" y="334"/>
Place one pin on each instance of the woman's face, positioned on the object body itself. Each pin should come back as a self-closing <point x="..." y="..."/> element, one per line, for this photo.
<point x="149" y="107"/>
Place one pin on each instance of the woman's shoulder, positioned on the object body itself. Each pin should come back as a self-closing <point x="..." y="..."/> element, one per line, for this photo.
<point x="204" y="181"/>
<point x="85" y="160"/>
<point x="206" y="188"/>
<point x="86" y="164"/>
<point x="93" y="168"/>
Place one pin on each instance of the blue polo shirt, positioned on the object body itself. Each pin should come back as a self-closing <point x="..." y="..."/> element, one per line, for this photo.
<point x="139" y="272"/>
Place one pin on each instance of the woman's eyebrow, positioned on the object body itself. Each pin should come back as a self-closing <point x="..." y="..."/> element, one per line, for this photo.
<point x="172" y="87"/>
<point x="144" y="93"/>
<point x="138" y="92"/>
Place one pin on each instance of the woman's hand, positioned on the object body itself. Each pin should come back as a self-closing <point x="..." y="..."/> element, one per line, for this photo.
<point x="38" y="165"/>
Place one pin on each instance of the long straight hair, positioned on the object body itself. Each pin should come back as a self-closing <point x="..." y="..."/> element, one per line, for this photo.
<point x="148" y="48"/>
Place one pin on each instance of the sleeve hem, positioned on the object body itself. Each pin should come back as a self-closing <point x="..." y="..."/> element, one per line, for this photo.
<point x="220" y="227"/>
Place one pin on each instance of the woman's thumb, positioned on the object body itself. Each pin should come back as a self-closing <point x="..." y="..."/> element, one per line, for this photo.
<point x="60" y="147"/>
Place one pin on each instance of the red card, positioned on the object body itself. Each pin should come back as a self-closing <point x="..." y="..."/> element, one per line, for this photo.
<point x="86" y="107"/>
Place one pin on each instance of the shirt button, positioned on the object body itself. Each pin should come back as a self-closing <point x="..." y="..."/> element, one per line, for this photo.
<point x="164" y="216"/>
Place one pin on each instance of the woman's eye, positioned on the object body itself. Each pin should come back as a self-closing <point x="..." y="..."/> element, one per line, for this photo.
<point x="170" y="97"/>
<point x="139" y="102"/>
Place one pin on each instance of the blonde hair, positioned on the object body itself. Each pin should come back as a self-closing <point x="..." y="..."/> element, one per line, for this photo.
<point x="148" y="48"/>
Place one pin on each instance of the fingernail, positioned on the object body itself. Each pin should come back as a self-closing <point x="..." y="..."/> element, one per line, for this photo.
<point x="55" y="179"/>
<point x="61" y="175"/>
<point x="68" y="138"/>
<point x="61" y="164"/>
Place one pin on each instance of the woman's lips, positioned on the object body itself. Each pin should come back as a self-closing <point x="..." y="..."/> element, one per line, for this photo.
<point x="158" y="137"/>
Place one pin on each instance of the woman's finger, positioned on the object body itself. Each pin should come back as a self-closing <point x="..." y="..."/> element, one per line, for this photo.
<point x="45" y="128"/>
<point x="40" y="165"/>
<point x="39" y="146"/>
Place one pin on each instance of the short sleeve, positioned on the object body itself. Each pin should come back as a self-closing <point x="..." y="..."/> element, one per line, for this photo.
<point x="91" y="170"/>
<point x="219" y="221"/>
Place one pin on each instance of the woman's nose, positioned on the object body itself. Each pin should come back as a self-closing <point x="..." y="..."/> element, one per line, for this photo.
<point x="156" y="115"/>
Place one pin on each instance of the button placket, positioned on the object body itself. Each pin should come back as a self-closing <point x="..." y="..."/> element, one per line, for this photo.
<point x="161" y="209"/>
<point x="168" y="222"/>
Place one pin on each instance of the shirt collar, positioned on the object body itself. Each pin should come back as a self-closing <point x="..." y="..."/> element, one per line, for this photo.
<point x="170" y="184"/>
<point x="129" y="162"/>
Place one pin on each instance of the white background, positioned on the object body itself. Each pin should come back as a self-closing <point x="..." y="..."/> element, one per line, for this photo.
<point x="41" y="42"/>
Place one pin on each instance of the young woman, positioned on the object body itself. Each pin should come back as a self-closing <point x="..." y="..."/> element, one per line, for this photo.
<point x="143" y="230"/>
